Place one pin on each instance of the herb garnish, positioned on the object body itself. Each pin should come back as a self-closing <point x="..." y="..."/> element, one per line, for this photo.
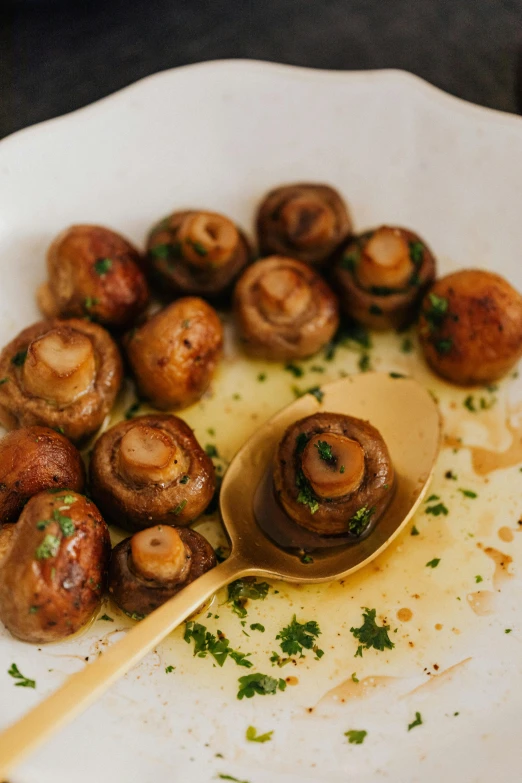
<point x="433" y="563"/>
<point x="350" y="260"/>
<point x="261" y="377"/>
<point x="106" y="618"/>
<point x="483" y="403"/>
<point x="443" y="346"/>
<point x="200" y="249"/>
<point x="407" y="345"/>
<point x="414" y="531"/>
<point x="355" y="737"/>
<point x="167" y="251"/>
<point x="218" y="646"/>
<point x="346" y="334"/>
<point x="48" y="548"/>
<point x="258" y="683"/>
<point x="3" y="380"/>
<point x="298" y="636"/>
<point x="102" y="266"/>
<point x="468" y="493"/>
<point x="416" y="722"/>
<point x="221" y="776"/>
<point x="360" y="520"/>
<point x="296" y="371"/>
<point x="478" y="579"/>
<point x="437" y="510"/>
<point x="240" y="591"/>
<point x="253" y="736"/>
<point x="306" y="559"/>
<point x="416" y="252"/>
<point x="90" y="301"/>
<point x="211" y="450"/>
<point x="372" y="635"/>
<point x="364" y="362"/>
<point x="19" y="359"/>
<point x="23" y="682"/>
<point x="132" y="410"/>
<point x="325" y="451"/>
<point x="306" y="495"/>
<point x="257" y="627"/>
<point x="66" y="524"/>
<point x="184" y="479"/>
<point x="169" y="669"/>
<point x="179" y="508"/>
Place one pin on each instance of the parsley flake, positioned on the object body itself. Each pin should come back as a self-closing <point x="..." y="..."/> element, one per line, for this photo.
<point x="372" y="635"/>
<point x="253" y="736"/>
<point x="258" y="683"/>
<point x="102" y="266"/>
<point x="19" y="359"/>
<point x="306" y="495"/>
<point x="179" y="508"/>
<point x="297" y="636"/>
<point x="23" y="682"/>
<point x="240" y="591"/>
<point x="468" y="493"/>
<point x="355" y="736"/>
<point x="48" y="548"/>
<point x="218" y="646"/>
<point x="325" y="451"/>
<point x="416" y="722"/>
<point x="437" y="510"/>
<point x="360" y="520"/>
<point x="433" y="563"/>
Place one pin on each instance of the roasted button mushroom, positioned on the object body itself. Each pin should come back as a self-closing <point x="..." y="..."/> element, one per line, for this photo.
<point x="33" y="459"/>
<point x="303" y="221"/>
<point x="470" y="327"/>
<point x="382" y="275"/>
<point x="155" y="564"/>
<point x="94" y="272"/>
<point x="63" y="374"/>
<point x="54" y="572"/>
<point x="6" y="537"/>
<point x="175" y="353"/>
<point x="198" y="253"/>
<point x="333" y="474"/>
<point x="284" y="310"/>
<point x="151" y="469"/>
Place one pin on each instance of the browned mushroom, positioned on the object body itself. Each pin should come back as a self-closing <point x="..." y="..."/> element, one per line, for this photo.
<point x="333" y="475"/>
<point x="470" y="327"/>
<point x="94" y="272"/>
<point x="304" y="221"/>
<point x="33" y="459"/>
<point x="54" y="572"/>
<point x="60" y="374"/>
<point x="151" y="470"/>
<point x="381" y="277"/>
<point x="284" y="310"/>
<point x="6" y="537"/>
<point x="175" y="353"/>
<point x="198" y="253"/>
<point x="155" y="564"/>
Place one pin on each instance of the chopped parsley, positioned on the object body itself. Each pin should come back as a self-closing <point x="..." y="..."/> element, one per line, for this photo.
<point x="346" y="334"/>
<point x="23" y="682"/>
<point x="468" y="493"/>
<point x="325" y="451"/>
<point x="437" y="510"/>
<point x="296" y="371"/>
<point x="414" y="531"/>
<point x="257" y="627"/>
<point x="66" y="524"/>
<point x="355" y="736"/>
<point x="221" y="776"/>
<point x="218" y="646"/>
<point x="407" y="345"/>
<point x="166" y="251"/>
<point x="360" y="520"/>
<point x="90" y="301"/>
<point x="179" y="508"/>
<point x="48" y="548"/>
<point x="200" y="249"/>
<point x="169" y="669"/>
<point x="297" y="637"/>
<point x="350" y="260"/>
<point x="416" y="722"/>
<point x="102" y="266"/>
<point x="211" y="450"/>
<point x="3" y="380"/>
<point x="261" y="377"/>
<point x="396" y="375"/>
<point x="240" y="591"/>
<point x="306" y="495"/>
<point x="106" y="618"/>
<point x="478" y="579"/>
<point x="450" y="475"/>
<point x="416" y="252"/>
<point x="483" y="403"/>
<point x="253" y="736"/>
<point x="354" y="677"/>
<point x="306" y="559"/>
<point x="184" y="479"/>
<point x="443" y="346"/>
<point x="508" y="630"/>
<point x="300" y="442"/>
<point x="258" y="683"/>
<point x="433" y="563"/>
<point x="372" y="635"/>
<point x="316" y="392"/>
<point x="19" y="359"/>
<point x="364" y="362"/>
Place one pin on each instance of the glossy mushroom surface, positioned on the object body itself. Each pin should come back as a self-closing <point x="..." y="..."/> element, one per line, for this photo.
<point x="60" y="374"/>
<point x="174" y="354"/>
<point x="33" y="459"/>
<point x="94" y="272"/>
<point x="381" y="277"/>
<point x="54" y="572"/>
<point x="284" y="310"/>
<point x="306" y="221"/>
<point x="198" y="253"/>
<point x="470" y="327"/>
<point x="333" y="475"/>
<point x="155" y="564"/>
<point x="151" y="470"/>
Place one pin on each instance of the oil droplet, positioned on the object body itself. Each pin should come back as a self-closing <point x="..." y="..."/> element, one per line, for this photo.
<point x="438" y="626"/>
<point x="502" y="563"/>
<point x="404" y="615"/>
<point x="506" y="534"/>
<point x="485" y="461"/>
<point x="292" y="680"/>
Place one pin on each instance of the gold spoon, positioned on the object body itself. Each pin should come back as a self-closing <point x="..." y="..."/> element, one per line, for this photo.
<point x="407" y="418"/>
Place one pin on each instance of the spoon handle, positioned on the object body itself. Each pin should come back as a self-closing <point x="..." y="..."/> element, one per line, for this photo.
<point x="83" y="688"/>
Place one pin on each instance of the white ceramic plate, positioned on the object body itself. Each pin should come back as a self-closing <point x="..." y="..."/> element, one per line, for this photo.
<point x="219" y="135"/>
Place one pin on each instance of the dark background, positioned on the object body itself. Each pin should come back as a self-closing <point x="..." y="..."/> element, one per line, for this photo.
<point x="58" y="55"/>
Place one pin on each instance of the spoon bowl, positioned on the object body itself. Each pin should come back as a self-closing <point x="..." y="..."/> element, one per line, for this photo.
<point x="407" y="418"/>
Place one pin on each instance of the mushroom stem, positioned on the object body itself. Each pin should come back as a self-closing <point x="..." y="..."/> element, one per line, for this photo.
<point x="148" y="455"/>
<point x="208" y="239"/>
<point x="6" y="536"/>
<point x="159" y="553"/>
<point x="385" y="261"/>
<point x="308" y="221"/>
<point x="333" y="464"/>
<point x="283" y="295"/>
<point x="60" y="366"/>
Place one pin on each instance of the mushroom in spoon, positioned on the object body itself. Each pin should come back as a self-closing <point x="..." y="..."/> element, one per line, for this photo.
<point x="410" y="425"/>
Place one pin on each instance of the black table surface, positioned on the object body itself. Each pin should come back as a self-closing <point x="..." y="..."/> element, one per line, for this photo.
<point x="58" y="55"/>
